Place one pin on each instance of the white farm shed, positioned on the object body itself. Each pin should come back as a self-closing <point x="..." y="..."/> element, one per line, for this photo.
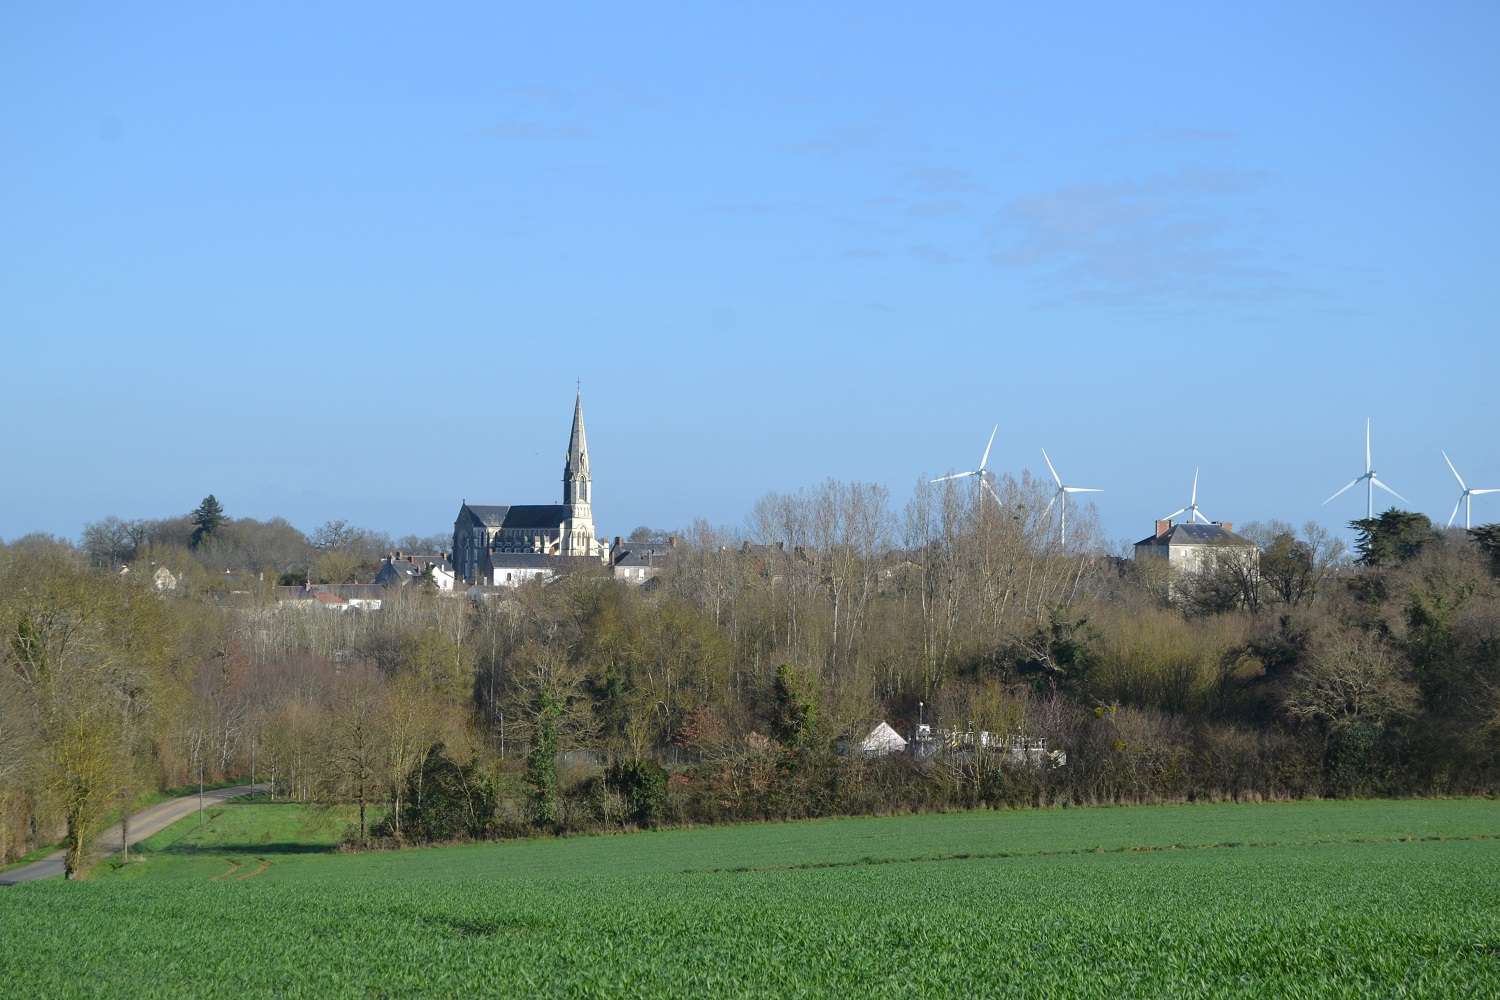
<point x="881" y="740"/>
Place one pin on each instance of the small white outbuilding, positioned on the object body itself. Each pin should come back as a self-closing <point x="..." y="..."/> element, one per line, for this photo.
<point x="880" y="741"/>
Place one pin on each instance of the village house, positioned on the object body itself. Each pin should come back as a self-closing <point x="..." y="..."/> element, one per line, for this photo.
<point x="332" y="596"/>
<point x="399" y="569"/>
<point x="1196" y="548"/>
<point x="638" y="562"/>
<point x="512" y="569"/>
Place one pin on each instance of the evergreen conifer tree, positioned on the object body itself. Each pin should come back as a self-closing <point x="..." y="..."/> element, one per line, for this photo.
<point x="1393" y="537"/>
<point x="206" y="519"/>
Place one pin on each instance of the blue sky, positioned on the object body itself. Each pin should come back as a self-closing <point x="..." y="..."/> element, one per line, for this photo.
<point x="346" y="260"/>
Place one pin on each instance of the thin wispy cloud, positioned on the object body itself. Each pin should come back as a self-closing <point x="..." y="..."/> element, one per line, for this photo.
<point x="762" y="207"/>
<point x="1186" y="135"/>
<point x="942" y="180"/>
<point x="536" y="131"/>
<point x="930" y="254"/>
<point x="840" y="140"/>
<point x="1167" y="238"/>
<point x="540" y="93"/>
<point x="936" y="208"/>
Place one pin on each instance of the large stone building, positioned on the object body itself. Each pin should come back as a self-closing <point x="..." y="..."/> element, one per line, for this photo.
<point x="1197" y="548"/>
<point x="485" y="534"/>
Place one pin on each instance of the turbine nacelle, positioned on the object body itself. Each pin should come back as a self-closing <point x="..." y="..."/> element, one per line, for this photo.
<point x="1194" y="514"/>
<point x="1466" y="498"/>
<point x="1370" y="479"/>
<point x="1062" y="492"/>
<point x="982" y="473"/>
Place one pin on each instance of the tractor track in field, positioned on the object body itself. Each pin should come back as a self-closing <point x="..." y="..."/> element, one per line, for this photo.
<point x="1085" y="851"/>
<point x="259" y="870"/>
<point x="234" y="866"/>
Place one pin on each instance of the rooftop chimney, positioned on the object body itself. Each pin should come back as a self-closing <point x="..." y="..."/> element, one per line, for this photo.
<point x="1162" y="527"/>
<point x="1227" y="525"/>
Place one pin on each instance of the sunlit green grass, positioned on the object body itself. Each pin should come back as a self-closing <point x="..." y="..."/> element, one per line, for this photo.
<point x="111" y="818"/>
<point x="249" y="831"/>
<point x="1360" y="898"/>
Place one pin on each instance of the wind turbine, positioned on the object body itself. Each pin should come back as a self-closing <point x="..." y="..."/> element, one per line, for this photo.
<point x="1191" y="510"/>
<point x="1062" y="493"/>
<point x="1466" y="497"/>
<point x="1369" y="479"/>
<point x="981" y="472"/>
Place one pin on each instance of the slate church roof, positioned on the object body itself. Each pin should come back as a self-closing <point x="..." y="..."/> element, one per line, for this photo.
<point x="548" y="515"/>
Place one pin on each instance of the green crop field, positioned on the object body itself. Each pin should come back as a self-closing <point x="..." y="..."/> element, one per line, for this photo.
<point x="1297" y="899"/>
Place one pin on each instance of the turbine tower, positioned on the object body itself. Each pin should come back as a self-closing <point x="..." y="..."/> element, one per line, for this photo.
<point x="1466" y="497"/>
<point x="1370" y="479"/>
<point x="982" y="472"/>
<point x="1191" y="510"/>
<point x="1062" y="493"/>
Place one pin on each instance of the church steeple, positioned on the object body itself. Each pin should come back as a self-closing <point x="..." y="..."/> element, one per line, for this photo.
<point x="576" y="478"/>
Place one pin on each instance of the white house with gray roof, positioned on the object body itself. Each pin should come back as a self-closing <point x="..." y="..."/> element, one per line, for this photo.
<point x="484" y="532"/>
<point x="638" y="562"/>
<point x="1196" y="548"/>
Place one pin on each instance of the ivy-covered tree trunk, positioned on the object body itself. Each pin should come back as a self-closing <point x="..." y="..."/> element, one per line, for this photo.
<point x="541" y="764"/>
<point x="77" y="831"/>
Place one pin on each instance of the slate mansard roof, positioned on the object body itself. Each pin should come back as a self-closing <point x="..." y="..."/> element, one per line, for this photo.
<point x="647" y="554"/>
<point x="548" y="515"/>
<point x="1197" y="534"/>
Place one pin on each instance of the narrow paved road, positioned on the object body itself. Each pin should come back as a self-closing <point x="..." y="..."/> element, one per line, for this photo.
<point x="142" y="825"/>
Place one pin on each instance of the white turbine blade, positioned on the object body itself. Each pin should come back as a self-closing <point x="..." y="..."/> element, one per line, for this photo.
<point x="1367" y="444"/>
<point x="1080" y="489"/>
<point x="1175" y="513"/>
<point x="1456" y="504"/>
<point x="986" y="484"/>
<point x="1050" y="503"/>
<point x="1461" y="484"/>
<point x="956" y="475"/>
<point x="1389" y="490"/>
<point x="1194" y="501"/>
<point x="1197" y="514"/>
<point x="1056" y="478"/>
<point x="1352" y="484"/>
<point x="985" y="461"/>
<point x="1475" y="493"/>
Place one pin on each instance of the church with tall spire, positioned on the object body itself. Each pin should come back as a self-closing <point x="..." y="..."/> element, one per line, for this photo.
<point x="500" y="544"/>
<point x="578" y="538"/>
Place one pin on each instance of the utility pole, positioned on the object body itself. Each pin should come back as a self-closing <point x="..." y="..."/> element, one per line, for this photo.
<point x="200" y="789"/>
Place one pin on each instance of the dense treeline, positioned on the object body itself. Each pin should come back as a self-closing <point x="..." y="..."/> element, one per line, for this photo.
<point x="726" y="687"/>
<point x="210" y="551"/>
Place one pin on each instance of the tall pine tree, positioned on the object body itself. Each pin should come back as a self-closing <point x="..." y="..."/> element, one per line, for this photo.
<point x="1487" y="537"/>
<point x="1393" y="537"/>
<point x="206" y="519"/>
